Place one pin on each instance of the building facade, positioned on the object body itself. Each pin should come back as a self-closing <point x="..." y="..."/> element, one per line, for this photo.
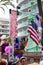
<point x="4" y="27"/>
<point x="22" y="20"/>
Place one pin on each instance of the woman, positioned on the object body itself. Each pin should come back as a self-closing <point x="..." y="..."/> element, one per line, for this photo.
<point x="23" y="61"/>
<point x="4" y="43"/>
<point x="17" y="48"/>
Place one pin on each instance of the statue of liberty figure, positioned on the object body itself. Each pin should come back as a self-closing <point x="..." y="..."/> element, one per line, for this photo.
<point x="33" y="37"/>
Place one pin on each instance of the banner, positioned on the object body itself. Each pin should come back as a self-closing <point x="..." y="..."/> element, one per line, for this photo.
<point x="13" y="23"/>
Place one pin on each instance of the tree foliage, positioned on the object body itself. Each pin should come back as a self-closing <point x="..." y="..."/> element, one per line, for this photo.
<point x="5" y="3"/>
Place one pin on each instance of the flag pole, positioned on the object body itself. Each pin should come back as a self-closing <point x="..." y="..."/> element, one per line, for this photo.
<point x="11" y="42"/>
<point x="13" y="48"/>
<point x="9" y="32"/>
<point x="13" y="31"/>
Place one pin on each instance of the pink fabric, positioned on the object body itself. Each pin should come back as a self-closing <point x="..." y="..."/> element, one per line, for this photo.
<point x="8" y="49"/>
<point x="13" y="23"/>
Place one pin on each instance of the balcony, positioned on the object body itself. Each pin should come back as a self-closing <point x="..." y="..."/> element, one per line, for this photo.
<point x="1" y="24"/>
<point x="22" y="34"/>
<point x="23" y="24"/>
<point x="28" y="5"/>
<point x="4" y="28"/>
<point x="4" y="33"/>
<point x="19" y="1"/>
<point x="26" y="14"/>
<point x="23" y="16"/>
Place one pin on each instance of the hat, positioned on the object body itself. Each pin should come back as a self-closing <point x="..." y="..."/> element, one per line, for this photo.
<point x="15" y="61"/>
<point x="3" y="37"/>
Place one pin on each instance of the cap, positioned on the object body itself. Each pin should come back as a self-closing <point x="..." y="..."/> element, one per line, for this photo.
<point x="3" y="37"/>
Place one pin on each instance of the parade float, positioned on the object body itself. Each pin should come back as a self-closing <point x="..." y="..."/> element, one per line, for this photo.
<point x="34" y="47"/>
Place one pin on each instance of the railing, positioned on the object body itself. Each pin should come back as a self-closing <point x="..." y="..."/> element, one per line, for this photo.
<point x="23" y="16"/>
<point x="4" y="32"/>
<point x="19" y="1"/>
<point x="26" y="14"/>
<point x="23" y="24"/>
<point x="4" y="28"/>
<point x="23" y="33"/>
<point x="27" y="5"/>
<point x="4" y="24"/>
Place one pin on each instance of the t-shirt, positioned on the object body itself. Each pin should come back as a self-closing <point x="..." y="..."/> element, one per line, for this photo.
<point x="4" y="46"/>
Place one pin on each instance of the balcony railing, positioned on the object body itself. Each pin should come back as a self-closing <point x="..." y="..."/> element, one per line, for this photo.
<point x="19" y="1"/>
<point x="4" y="24"/>
<point x="23" y="24"/>
<point x="23" y="33"/>
<point x="4" y="33"/>
<point x="24" y="6"/>
<point x="26" y="14"/>
<point x="22" y="16"/>
<point x="4" y="28"/>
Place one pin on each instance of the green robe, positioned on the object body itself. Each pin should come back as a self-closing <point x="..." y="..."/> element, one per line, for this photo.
<point x="31" y="46"/>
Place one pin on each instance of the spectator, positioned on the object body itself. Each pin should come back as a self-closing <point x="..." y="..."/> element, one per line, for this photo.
<point x="3" y="62"/>
<point x="0" y="62"/>
<point x="17" y="48"/>
<point x="4" y="43"/>
<point x="16" y="61"/>
<point x="23" y="61"/>
<point x="10" y="63"/>
<point x="41" y="62"/>
<point x="5" y="56"/>
<point x="32" y="62"/>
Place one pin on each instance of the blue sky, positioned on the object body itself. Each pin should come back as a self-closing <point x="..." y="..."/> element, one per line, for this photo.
<point x="6" y="14"/>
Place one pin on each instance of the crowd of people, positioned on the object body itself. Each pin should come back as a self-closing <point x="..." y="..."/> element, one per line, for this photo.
<point x="4" y="57"/>
<point x="22" y="61"/>
<point x="19" y="59"/>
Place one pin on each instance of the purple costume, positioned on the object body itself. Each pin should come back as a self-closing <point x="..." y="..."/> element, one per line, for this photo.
<point x="4" y="46"/>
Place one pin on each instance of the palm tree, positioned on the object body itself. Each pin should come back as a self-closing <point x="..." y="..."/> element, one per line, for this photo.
<point x="5" y="3"/>
<point x="39" y="6"/>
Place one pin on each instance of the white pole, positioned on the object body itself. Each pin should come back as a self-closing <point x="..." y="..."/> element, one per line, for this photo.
<point x="9" y="53"/>
<point x="13" y="48"/>
<point x="9" y="36"/>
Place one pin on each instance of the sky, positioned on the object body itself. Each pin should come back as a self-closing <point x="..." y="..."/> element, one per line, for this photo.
<point x="6" y="14"/>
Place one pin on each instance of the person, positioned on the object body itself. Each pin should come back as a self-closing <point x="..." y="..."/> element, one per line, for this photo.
<point x="0" y="61"/>
<point x="4" y="43"/>
<point x="41" y="62"/>
<point x="23" y="61"/>
<point x="0" y="51"/>
<point x="32" y="62"/>
<point x="3" y="62"/>
<point x="5" y="56"/>
<point x="17" y="48"/>
<point x="16" y="62"/>
<point x="9" y="62"/>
